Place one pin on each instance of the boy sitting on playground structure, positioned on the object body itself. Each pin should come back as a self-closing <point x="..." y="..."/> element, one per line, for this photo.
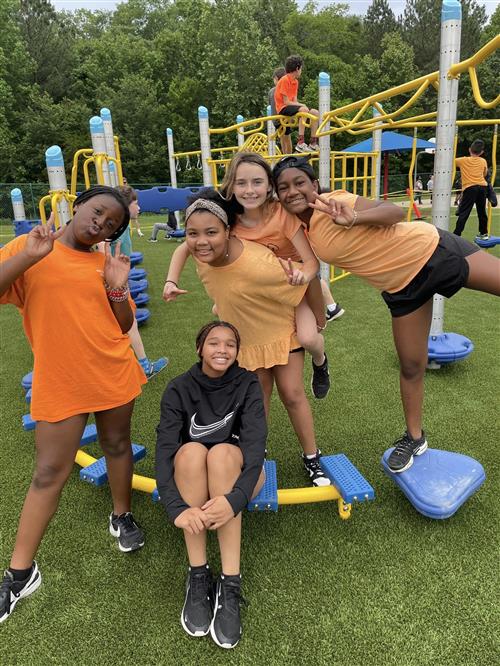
<point x="473" y="170"/>
<point x="287" y="104"/>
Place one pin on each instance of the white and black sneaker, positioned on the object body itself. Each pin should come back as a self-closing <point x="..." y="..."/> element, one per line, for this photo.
<point x="129" y="533"/>
<point x="313" y="468"/>
<point x="334" y="313"/>
<point x="226" y="627"/>
<point x="198" y="609"/>
<point x="11" y="591"/>
<point x="405" y="448"/>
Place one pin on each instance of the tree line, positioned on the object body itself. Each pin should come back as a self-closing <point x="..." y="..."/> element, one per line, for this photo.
<point x="153" y="62"/>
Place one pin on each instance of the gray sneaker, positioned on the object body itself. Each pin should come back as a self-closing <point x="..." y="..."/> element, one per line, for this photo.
<point x="405" y="448"/>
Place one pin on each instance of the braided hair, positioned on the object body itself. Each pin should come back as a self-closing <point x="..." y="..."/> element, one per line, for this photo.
<point x="205" y="330"/>
<point x="94" y="191"/>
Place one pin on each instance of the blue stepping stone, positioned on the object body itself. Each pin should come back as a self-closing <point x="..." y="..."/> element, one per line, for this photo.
<point x="137" y="274"/>
<point x="141" y="299"/>
<point x="142" y="315"/>
<point x="438" y="482"/>
<point x="487" y="242"/>
<point x="267" y="499"/>
<point x="27" y="397"/>
<point x="449" y="347"/>
<point x="97" y="474"/>
<point x="175" y="233"/>
<point x="351" y="484"/>
<point x="136" y="258"/>
<point x="137" y="286"/>
<point x="27" y="380"/>
<point x="89" y="433"/>
<point x="28" y="423"/>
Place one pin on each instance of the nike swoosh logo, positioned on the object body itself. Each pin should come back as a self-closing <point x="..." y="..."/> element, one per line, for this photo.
<point x="197" y="431"/>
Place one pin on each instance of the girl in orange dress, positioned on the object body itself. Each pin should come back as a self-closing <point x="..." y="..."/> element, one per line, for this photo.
<point x="76" y="311"/>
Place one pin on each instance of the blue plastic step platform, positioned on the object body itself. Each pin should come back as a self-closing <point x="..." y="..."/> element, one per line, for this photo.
<point x="142" y="315"/>
<point x="141" y="299"/>
<point x="97" y="474"/>
<point x="351" y="484"/>
<point x="487" y="242"/>
<point x="175" y="233"/>
<point x="89" y="433"/>
<point x="449" y="347"/>
<point x="267" y="499"/>
<point x="137" y="274"/>
<point x="438" y="482"/>
<point x="137" y="286"/>
<point x="27" y="397"/>
<point x="27" y="380"/>
<point x="136" y="258"/>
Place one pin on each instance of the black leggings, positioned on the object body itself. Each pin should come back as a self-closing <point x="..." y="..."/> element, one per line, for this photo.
<point x="475" y="194"/>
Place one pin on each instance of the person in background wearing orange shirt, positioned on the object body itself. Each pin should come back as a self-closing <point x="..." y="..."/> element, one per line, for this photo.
<point x="287" y="103"/>
<point x="76" y="314"/>
<point x="473" y="170"/>
<point x="408" y="263"/>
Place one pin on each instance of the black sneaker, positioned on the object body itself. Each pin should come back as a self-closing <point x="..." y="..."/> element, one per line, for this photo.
<point x="198" y="609"/>
<point x="320" y="383"/>
<point x="129" y="534"/>
<point x="12" y="590"/>
<point x="226" y="628"/>
<point x="336" y="313"/>
<point x="313" y="468"/>
<point x="404" y="449"/>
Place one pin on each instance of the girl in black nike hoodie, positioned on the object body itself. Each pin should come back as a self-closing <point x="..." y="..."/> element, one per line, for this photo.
<point x="209" y="456"/>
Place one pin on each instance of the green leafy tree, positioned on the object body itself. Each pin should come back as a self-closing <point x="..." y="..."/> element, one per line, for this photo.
<point x="378" y="22"/>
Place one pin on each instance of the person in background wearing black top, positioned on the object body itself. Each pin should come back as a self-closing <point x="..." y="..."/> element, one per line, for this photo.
<point x="210" y="451"/>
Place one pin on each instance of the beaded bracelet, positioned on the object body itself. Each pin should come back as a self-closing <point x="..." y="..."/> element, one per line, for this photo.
<point x="117" y="294"/>
<point x="354" y="219"/>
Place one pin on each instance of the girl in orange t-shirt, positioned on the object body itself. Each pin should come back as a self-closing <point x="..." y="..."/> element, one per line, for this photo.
<point x="408" y="262"/>
<point x="76" y="312"/>
<point x="249" y="189"/>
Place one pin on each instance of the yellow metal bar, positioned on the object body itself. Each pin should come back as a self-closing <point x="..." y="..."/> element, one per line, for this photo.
<point x="477" y="93"/>
<point x="475" y="59"/>
<point x="410" y="173"/>
<point x="87" y="152"/>
<point x="307" y="495"/>
<point x="118" y="159"/>
<point x="493" y="172"/>
<point x="86" y="171"/>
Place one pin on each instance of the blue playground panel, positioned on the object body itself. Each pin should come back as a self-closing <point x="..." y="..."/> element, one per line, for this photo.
<point x="97" y="474"/>
<point x="24" y="226"/>
<point x="89" y="433"/>
<point x="487" y="242"/>
<point x="158" y="199"/>
<point x="137" y="286"/>
<point x="27" y="380"/>
<point x="137" y="274"/>
<point x="449" y="347"/>
<point x="142" y="315"/>
<point x="136" y="258"/>
<point x="267" y="499"/>
<point x="438" y="482"/>
<point x="141" y="299"/>
<point x="351" y="484"/>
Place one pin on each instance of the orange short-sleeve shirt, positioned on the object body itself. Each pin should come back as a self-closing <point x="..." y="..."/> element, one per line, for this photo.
<point x="82" y="361"/>
<point x="275" y="232"/>
<point x="472" y="170"/>
<point x="289" y="86"/>
<point x="388" y="258"/>
<point x="252" y="293"/>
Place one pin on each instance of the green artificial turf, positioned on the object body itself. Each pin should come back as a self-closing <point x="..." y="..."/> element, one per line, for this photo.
<point x="387" y="587"/>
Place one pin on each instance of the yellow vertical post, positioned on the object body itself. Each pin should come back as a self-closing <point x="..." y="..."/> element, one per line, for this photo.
<point x="410" y="173"/>
<point x="493" y="171"/>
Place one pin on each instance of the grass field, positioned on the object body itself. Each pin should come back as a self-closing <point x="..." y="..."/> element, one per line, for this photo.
<point x="387" y="587"/>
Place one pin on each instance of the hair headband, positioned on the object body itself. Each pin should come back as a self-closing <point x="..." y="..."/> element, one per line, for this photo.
<point x="211" y="206"/>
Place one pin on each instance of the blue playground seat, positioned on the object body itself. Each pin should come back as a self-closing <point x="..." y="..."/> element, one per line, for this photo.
<point x="175" y="233"/>
<point x="97" y="474"/>
<point x="158" y="199"/>
<point x="89" y="433"/>
<point x="137" y="286"/>
<point x="142" y="315"/>
<point x="24" y="226"/>
<point x="137" y="274"/>
<point x="267" y="499"/>
<point x="487" y="242"/>
<point x="438" y="482"/>
<point x="348" y="480"/>
<point x="27" y="380"/>
<point x="136" y="258"/>
<point x="449" y="347"/>
<point x="141" y="299"/>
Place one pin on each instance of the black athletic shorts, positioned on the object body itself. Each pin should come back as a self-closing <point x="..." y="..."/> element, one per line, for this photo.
<point x="289" y="110"/>
<point x="445" y="273"/>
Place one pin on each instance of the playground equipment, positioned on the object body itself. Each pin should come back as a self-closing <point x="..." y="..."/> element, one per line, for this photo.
<point x="21" y="224"/>
<point x="136" y="258"/>
<point x="438" y="482"/>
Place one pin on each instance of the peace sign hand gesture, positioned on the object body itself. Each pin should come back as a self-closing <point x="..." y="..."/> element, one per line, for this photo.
<point x="294" y="275"/>
<point x="339" y="211"/>
<point x="40" y="240"/>
<point x="116" y="268"/>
